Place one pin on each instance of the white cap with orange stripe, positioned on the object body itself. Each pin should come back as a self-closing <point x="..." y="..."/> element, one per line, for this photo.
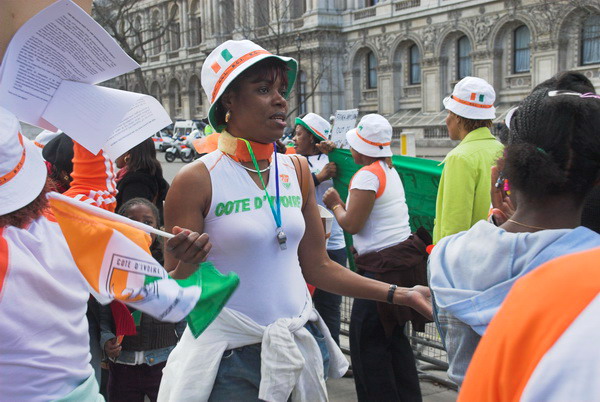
<point x="472" y="98"/>
<point x="227" y="61"/>
<point x="316" y="125"/>
<point x="372" y="137"/>
<point x="22" y="169"/>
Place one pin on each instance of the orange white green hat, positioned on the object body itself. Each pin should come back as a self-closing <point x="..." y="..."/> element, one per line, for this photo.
<point x="227" y="61"/>
<point x="22" y="169"/>
<point x="472" y="98"/>
<point x="372" y="137"/>
<point x="316" y="125"/>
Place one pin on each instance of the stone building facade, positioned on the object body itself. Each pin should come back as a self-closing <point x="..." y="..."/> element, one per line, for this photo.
<point x="396" y="57"/>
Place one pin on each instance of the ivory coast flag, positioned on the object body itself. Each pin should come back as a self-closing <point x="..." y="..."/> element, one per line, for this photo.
<point x="114" y="257"/>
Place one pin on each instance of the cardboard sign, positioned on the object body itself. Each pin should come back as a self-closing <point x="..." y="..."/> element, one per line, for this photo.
<point x="345" y="120"/>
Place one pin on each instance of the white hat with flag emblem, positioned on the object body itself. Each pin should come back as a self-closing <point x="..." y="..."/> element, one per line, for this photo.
<point x="316" y="125"/>
<point x="472" y="98"/>
<point x="227" y="62"/>
<point x="22" y="169"/>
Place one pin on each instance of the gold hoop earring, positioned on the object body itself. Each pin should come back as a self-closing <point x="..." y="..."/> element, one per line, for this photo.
<point x="126" y="159"/>
<point x="228" y="116"/>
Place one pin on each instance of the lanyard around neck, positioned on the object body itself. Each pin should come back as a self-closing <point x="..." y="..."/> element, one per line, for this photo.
<point x="276" y="213"/>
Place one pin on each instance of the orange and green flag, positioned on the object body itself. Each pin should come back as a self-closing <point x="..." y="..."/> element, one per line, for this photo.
<point x="113" y="255"/>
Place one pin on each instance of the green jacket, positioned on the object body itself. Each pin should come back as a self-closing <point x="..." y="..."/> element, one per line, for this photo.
<point x="464" y="192"/>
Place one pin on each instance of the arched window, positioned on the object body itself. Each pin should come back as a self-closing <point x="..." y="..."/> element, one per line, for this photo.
<point x="302" y="93"/>
<point x="415" y="64"/>
<point x="175" y="29"/>
<point x="155" y="91"/>
<point x="137" y="36"/>
<point x="463" y="57"/>
<point x="175" y="96"/>
<point x="261" y="13"/>
<point x="590" y="40"/>
<point x="371" y="71"/>
<point x="298" y="8"/>
<point x="521" y="52"/>
<point x="156" y="43"/>
<point x="195" y="94"/>
<point x="196" y="25"/>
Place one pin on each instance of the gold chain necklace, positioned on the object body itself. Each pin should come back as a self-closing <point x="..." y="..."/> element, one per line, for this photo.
<point x="527" y="226"/>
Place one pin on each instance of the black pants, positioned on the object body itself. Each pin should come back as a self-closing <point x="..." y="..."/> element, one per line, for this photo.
<point x="384" y="368"/>
<point x="132" y="383"/>
<point x="328" y="304"/>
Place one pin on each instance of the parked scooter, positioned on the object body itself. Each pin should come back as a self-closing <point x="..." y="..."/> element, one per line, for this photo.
<point x="180" y="149"/>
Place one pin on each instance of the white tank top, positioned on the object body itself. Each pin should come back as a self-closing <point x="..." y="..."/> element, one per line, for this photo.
<point x="316" y="163"/>
<point x="388" y="222"/>
<point x="243" y="233"/>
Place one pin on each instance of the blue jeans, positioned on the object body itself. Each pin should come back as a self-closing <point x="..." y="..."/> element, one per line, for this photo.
<point x="238" y="378"/>
<point x="328" y="304"/>
<point x="460" y="342"/>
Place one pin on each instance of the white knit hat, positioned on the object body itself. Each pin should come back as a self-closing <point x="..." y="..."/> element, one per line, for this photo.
<point x="316" y="125"/>
<point x="228" y="61"/>
<point x="372" y="137"/>
<point x="472" y="98"/>
<point x="22" y="169"/>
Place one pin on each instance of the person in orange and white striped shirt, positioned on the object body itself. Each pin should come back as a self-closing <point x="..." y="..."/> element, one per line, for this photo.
<point x="44" y="353"/>
<point x="543" y="344"/>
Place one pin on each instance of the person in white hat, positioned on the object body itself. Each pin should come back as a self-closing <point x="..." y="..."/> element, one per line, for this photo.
<point x="464" y="190"/>
<point x="376" y="215"/>
<point x="45" y="351"/>
<point x="310" y="134"/>
<point x="259" y="208"/>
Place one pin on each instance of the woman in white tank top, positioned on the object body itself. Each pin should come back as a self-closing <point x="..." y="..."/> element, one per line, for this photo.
<point x="376" y="215"/>
<point x="273" y="242"/>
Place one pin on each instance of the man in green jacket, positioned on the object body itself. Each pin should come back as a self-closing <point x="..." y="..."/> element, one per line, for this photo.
<point x="464" y="191"/>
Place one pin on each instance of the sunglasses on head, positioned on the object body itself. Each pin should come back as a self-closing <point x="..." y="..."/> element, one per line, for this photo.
<point x="554" y="93"/>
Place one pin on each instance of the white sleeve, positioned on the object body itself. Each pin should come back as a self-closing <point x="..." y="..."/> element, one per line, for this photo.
<point x="365" y="180"/>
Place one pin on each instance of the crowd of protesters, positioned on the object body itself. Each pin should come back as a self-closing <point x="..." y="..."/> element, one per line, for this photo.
<point x="515" y="240"/>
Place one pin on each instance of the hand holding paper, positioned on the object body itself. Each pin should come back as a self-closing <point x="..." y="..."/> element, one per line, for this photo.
<point x="48" y="74"/>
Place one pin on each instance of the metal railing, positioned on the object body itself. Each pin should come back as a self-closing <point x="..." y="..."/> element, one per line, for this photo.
<point x="432" y="360"/>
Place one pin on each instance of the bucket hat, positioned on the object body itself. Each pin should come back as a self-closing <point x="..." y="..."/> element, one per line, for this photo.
<point x="22" y="169"/>
<point x="227" y="61"/>
<point x="372" y="137"/>
<point x="472" y="98"/>
<point x="316" y="125"/>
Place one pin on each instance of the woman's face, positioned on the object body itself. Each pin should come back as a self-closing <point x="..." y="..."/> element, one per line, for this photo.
<point x="452" y="125"/>
<point x="142" y="213"/>
<point x="304" y="142"/>
<point x="258" y="110"/>
<point x="357" y="156"/>
<point x="120" y="161"/>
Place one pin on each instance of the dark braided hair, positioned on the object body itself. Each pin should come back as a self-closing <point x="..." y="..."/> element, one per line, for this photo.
<point x="554" y="145"/>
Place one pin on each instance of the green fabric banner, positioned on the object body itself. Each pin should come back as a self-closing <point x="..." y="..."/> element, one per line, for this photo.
<point x="419" y="176"/>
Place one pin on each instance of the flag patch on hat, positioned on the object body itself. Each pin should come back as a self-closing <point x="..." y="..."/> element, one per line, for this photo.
<point x="226" y="55"/>
<point x="473" y="96"/>
<point x="481" y="98"/>
<point x="215" y="67"/>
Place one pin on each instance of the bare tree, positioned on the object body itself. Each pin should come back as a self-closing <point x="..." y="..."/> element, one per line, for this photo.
<point x="122" y="21"/>
<point x="269" y="23"/>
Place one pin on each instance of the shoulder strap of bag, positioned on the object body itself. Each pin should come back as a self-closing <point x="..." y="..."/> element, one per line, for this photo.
<point x="301" y="166"/>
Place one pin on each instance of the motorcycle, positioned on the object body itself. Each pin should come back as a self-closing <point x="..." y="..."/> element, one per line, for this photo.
<point x="180" y="149"/>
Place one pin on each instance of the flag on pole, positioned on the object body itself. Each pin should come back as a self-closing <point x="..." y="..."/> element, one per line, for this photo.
<point x="115" y="259"/>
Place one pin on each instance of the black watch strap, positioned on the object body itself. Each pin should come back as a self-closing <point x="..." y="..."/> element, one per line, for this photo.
<point x="391" y="291"/>
<point x="315" y="180"/>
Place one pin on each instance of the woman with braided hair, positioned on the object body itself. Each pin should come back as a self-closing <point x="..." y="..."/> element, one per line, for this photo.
<point x="552" y="162"/>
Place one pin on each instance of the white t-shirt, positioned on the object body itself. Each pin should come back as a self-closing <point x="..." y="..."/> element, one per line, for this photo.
<point x="316" y="163"/>
<point x="44" y="340"/>
<point x="387" y="224"/>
